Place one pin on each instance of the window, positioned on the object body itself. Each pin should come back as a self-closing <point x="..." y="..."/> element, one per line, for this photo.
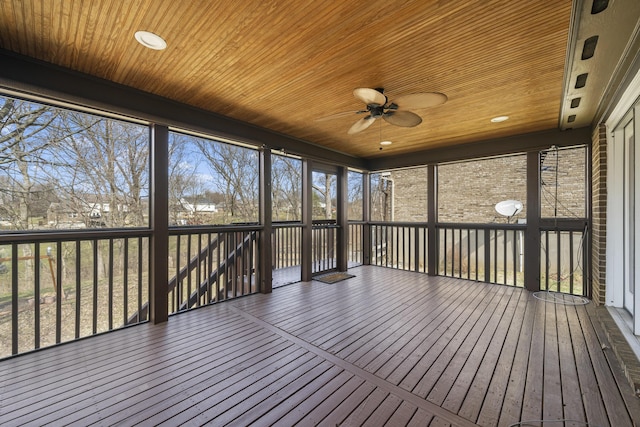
<point x="469" y="191"/>
<point x="286" y="188"/>
<point x="354" y="196"/>
<point x="399" y="195"/>
<point x="64" y="169"/>
<point x="211" y="182"/>
<point x="563" y="183"/>
<point x="324" y="195"/>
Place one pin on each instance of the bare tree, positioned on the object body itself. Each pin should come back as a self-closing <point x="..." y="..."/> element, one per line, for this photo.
<point x="25" y="138"/>
<point x="184" y="181"/>
<point x="286" y="187"/>
<point x="324" y="187"/>
<point x="106" y="169"/>
<point x="235" y="173"/>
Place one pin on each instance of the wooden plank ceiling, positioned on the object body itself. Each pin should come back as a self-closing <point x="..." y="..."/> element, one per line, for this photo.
<point x="283" y="64"/>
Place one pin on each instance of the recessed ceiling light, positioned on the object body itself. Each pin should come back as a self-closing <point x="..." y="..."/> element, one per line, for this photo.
<point x="499" y="119"/>
<point x="385" y="142"/>
<point x="150" y="40"/>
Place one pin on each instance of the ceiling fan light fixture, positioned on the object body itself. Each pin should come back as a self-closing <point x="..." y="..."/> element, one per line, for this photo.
<point x="150" y="40"/>
<point x="499" y="119"/>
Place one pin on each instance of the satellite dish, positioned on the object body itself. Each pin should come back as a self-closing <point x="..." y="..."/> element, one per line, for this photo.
<point x="509" y="208"/>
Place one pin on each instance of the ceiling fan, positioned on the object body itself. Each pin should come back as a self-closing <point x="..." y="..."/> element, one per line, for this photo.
<point x="395" y="112"/>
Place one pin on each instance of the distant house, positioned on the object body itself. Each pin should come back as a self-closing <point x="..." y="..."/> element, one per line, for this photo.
<point x="198" y="207"/>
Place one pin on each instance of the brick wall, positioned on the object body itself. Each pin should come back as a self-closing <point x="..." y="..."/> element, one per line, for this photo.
<point x="469" y="191"/>
<point x="599" y="214"/>
<point x="411" y="194"/>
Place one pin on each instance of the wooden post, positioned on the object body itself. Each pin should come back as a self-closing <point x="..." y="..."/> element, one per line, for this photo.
<point x="532" y="231"/>
<point x="307" y="221"/>
<point x="159" y="223"/>
<point x="266" y="218"/>
<point x="342" y="243"/>
<point x="432" y="219"/>
<point x="366" y="217"/>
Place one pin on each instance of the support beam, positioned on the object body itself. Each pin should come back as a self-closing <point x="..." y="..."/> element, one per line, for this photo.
<point x="532" y="231"/>
<point x="432" y="220"/>
<point x="266" y="272"/>
<point x="307" y="220"/>
<point x="159" y="223"/>
<point x="487" y="148"/>
<point x="26" y="75"/>
<point x="342" y="242"/>
<point x="366" y="217"/>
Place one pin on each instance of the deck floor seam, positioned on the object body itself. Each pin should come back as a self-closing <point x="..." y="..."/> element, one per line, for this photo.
<point x="367" y="376"/>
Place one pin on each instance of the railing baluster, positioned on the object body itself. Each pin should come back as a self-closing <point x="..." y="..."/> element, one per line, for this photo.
<point x="59" y="293"/>
<point x="487" y="255"/>
<point x="559" y="263"/>
<point x="189" y="271"/>
<point x="36" y="298"/>
<point x="546" y="279"/>
<point x="94" y="324"/>
<point x="125" y="281"/>
<point x="199" y="263"/>
<point x="460" y="252"/>
<point x="571" y="262"/>
<point x="219" y="249"/>
<point x="140" y="268"/>
<point x="505" y="235"/>
<point x="495" y="253"/>
<point x="178" y="288"/>
<point x="475" y="239"/>
<point x="208" y="270"/>
<point x="110" y="280"/>
<point x="78" y="282"/>
<point x="515" y="259"/>
<point x="14" y="298"/>
<point x="446" y="250"/>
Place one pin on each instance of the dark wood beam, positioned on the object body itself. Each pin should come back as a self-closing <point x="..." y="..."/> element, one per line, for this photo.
<point x="432" y="220"/>
<point x="366" y="217"/>
<point x="159" y="223"/>
<point x="20" y="74"/>
<point x="493" y="147"/>
<point x="342" y="243"/>
<point x="307" y="221"/>
<point x="266" y="213"/>
<point x="532" y="232"/>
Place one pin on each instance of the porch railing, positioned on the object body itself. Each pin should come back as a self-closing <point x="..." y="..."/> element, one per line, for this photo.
<point x="286" y="242"/>
<point x="399" y="245"/>
<point x="492" y="253"/>
<point x="563" y="257"/>
<point x="211" y="264"/>
<point x="355" y="253"/>
<point x="57" y="287"/>
<point x="323" y="250"/>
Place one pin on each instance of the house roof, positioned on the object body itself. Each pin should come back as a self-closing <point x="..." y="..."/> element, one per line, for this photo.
<point x="282" y="65"/>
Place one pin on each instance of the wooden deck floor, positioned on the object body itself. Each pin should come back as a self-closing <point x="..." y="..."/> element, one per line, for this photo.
<point x="386" y="347"/>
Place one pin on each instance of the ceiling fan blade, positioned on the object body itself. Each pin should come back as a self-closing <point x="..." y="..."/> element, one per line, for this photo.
<point x="369" y="96"/>
<point x="416" y="101"/>
<point x="361" y="125"/>
<point x="338" y="115"/>
<point x="405" y="119"/>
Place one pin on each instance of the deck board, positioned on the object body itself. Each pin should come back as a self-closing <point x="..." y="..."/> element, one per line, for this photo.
<point x="386" y="347"/>
<point x="486" y="392"/>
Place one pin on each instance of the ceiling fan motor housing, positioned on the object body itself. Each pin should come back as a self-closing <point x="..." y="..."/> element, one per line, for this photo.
<point x="375" y="110"/>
